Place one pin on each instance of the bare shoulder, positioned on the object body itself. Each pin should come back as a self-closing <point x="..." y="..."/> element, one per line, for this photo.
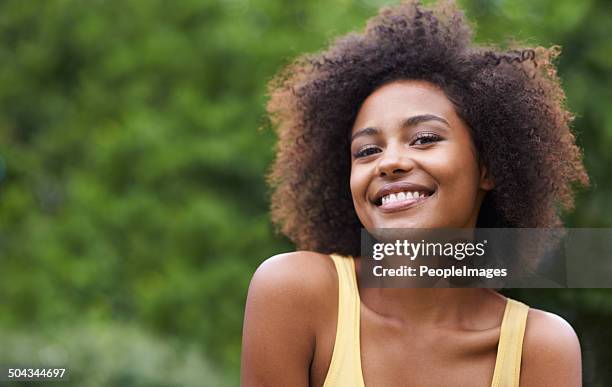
<point x="287" y="298"/>
<point x="303" y="274"/>
<point x="551" y="352"/>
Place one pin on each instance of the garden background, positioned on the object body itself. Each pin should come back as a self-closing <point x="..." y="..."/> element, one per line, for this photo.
<point x="133" y="154"/>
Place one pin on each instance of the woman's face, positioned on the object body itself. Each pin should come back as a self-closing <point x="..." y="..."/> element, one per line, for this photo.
<point x="413" y="161"/>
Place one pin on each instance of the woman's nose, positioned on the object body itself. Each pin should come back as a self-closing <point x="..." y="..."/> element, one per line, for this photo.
<point x="394" y="160"/>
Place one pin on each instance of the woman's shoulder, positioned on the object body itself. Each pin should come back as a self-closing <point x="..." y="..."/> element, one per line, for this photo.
<point x="298" y="268"/>
<point x="551" y="351"/>
<point x="306" y="278"/>
<point x="288" y="303"/>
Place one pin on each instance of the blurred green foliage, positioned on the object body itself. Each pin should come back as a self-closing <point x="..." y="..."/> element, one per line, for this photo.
<point x="132" y="165"/>
<point x="110" y="355"/>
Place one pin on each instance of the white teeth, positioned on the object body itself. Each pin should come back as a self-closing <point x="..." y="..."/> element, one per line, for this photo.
<point x="402" y="196"/>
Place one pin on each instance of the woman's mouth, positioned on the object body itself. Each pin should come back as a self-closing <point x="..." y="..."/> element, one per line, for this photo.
<point x="402" y="200"/>
<point x="401" y="195"/>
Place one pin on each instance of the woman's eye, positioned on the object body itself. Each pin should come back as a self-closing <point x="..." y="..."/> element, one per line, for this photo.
<point x="426" y="138"/>
<point x="367" y="151"/>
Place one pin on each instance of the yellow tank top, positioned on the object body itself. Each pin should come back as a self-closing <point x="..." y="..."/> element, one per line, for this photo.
<point x="345" y="367"/>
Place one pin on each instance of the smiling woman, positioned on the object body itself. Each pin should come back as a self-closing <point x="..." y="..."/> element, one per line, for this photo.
<point x="413" y="142"/>
<point x="409" y="125"/>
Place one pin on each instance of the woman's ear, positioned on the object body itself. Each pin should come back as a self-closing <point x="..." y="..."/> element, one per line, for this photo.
<point x="486" y="182"/>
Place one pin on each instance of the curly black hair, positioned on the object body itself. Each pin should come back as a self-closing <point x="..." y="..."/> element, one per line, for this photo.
<point x="511" y="100"/>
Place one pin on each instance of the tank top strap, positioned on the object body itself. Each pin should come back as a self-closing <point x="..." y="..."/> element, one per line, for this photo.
<point x="509" y="350"/>
<point x="345" y="365"/>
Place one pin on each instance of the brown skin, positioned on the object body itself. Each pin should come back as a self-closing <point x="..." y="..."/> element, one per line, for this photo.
<point x="511" y="100"/>
<point x="435" y="154"/>
<point x="409" y="337"/>
<point x="290" y="326"/>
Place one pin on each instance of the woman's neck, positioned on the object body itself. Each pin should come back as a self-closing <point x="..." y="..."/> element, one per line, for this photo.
<point x="433" y="306"/>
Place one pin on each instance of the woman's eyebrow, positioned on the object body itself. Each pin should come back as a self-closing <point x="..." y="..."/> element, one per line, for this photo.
<point x="408" y="122"/>
<point x="414" y="120"/>
<point x="364" y="132"/>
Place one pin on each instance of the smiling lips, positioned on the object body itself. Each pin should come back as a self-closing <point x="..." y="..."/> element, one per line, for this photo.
<point x="401" y="195"/>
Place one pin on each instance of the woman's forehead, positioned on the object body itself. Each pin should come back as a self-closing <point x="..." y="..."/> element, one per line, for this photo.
<point x="400" y="100"/>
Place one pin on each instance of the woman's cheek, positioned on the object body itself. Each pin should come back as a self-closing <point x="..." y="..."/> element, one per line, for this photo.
<point x="358" y="185"/>
<point x="457" y="190"/>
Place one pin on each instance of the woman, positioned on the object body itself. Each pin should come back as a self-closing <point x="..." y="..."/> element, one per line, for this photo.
<point x="472" y="137"/>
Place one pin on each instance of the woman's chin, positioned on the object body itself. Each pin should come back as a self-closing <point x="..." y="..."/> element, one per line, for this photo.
<point x="406" y="224"/>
